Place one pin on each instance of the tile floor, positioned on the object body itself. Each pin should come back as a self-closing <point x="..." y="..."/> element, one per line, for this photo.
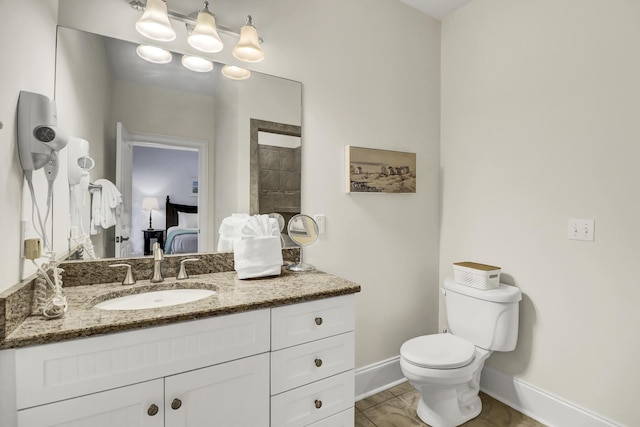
<point x="396" y="407"/>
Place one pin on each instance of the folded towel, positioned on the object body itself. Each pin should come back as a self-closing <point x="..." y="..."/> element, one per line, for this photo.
<point x="261" y="225"/>
<point x="257" y="256"/>
<point x="257" y="252"/>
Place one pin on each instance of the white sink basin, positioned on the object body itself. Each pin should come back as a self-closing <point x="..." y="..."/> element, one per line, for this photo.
<point x="154" y="299"/>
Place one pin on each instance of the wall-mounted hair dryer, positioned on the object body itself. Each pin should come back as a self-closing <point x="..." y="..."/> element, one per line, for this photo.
<point x="39" y="139"/>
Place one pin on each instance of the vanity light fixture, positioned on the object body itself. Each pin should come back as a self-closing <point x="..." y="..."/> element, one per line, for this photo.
<point x="204" y="36"/>
<point x="202" y="28"/>
<point x="234" y="72"/>
<point x="154" y="22"/>
<point x="196" y="63"/>
<point x="154" y="54"/>
<point x="248" y="48"/>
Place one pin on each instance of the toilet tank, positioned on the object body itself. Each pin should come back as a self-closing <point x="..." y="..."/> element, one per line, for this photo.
<point x="487" y="318"/>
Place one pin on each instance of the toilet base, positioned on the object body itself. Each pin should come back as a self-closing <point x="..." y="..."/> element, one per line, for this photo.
<point x="447" y="412"/>
<point x="448" y="397"/>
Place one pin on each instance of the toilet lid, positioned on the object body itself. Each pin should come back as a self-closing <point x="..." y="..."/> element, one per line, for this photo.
<point x="438" y="351"/>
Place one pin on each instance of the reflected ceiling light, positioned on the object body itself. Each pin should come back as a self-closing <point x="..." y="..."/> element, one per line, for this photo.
<point x="202" y="29"/>
<point x="248" y="48"/>
<point x="235" y="73"/>
<point x="195" y="63"/>
<point x="154" y="54"/>
<point x="204" y="36"/>
<point x="154" y="22"/>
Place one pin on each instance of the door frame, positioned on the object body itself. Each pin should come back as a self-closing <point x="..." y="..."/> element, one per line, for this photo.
<point x="141" y="139"/>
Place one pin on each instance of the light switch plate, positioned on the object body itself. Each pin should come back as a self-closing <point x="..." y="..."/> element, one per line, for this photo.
<point x="581" y="229"/>
<point x="319" y="218"/>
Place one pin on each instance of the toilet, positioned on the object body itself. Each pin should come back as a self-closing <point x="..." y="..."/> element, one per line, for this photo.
<point x="445" y="368"/>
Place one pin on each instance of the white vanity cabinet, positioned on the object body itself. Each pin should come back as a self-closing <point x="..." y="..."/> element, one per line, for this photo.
<point x="312" y="362"/>
<point x="176" y="375"/>
<point x="281" y="367"/>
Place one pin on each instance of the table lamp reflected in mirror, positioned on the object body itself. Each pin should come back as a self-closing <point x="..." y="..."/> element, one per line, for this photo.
<point x="150" y="204"/>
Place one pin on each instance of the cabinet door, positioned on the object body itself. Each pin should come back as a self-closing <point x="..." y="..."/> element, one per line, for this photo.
<point x="232" y="394"/>
<point x="129" y="406"/>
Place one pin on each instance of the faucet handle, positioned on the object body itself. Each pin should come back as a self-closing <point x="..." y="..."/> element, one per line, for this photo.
<point x="128" y="278"/>
<point x="183" y="271"/>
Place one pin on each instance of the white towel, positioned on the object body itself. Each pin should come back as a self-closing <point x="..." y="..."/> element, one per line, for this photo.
<point x="105" y="200"/>
<point x="230" y="230"/>
<point x="257" y="257"/>
<point x="258" y="251"/>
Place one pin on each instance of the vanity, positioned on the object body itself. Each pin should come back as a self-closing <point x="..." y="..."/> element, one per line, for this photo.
<point x="263" y="352"/>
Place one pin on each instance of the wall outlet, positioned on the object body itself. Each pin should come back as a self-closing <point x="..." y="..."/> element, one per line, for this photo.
<point x="320" y="220"/>
<point x="32" y="249"/>
<point x="581" y="229"/>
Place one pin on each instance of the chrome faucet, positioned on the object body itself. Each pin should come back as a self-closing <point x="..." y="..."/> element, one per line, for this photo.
<point x="158" y="258"/>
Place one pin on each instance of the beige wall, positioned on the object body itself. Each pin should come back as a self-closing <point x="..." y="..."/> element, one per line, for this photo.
<point x="540" y="105"/>
<point x="28" y="64"/>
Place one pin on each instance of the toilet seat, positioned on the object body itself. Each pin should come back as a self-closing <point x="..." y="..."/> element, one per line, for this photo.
<point x="438" y="351"/>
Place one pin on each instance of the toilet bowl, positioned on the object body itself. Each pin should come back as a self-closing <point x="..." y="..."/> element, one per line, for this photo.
<point x="446" y="371"/>
<point x="446" y="368"/>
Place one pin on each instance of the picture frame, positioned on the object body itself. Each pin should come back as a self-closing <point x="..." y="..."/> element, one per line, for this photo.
<point x="193" y="186"/>
<point x="371" y="170"/>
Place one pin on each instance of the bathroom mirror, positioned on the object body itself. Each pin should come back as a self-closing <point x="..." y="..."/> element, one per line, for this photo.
<point x="169" y="112"/>
<point x="303" y="231"/>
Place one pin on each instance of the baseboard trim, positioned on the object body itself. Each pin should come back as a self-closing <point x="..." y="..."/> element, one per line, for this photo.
<point x="378" y="377"/>
<point x="536" y="403"/>
<point x="530" y="400"/>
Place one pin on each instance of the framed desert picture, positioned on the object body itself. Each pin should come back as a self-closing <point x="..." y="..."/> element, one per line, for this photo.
<point x="370" y="170"/>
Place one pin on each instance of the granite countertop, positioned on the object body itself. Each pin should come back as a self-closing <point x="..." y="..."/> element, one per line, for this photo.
<point x="232" y="296"/>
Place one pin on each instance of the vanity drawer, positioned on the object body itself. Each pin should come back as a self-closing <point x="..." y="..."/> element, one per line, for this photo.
<point x="67" y="369"/>
<point x="314" y="320"/>
<point x="300" y="365"/>
<point x="342" y="419"/>
<point x="311" y="403"/>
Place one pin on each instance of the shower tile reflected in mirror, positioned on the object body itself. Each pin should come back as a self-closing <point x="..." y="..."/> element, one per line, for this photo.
<point x="275" y="176"/>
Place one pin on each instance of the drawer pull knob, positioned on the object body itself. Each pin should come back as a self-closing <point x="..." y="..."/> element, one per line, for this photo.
<point x="318" y="404"/>
<point x="318" y="321"/>
<point x="176" y="404"/>
<point x="318" y="362"/>
<point x="153" y="410"/>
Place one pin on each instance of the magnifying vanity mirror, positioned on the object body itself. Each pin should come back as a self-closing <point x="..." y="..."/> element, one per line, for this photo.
<point x="303" y="230"/>
<point x="105" y="92"/>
